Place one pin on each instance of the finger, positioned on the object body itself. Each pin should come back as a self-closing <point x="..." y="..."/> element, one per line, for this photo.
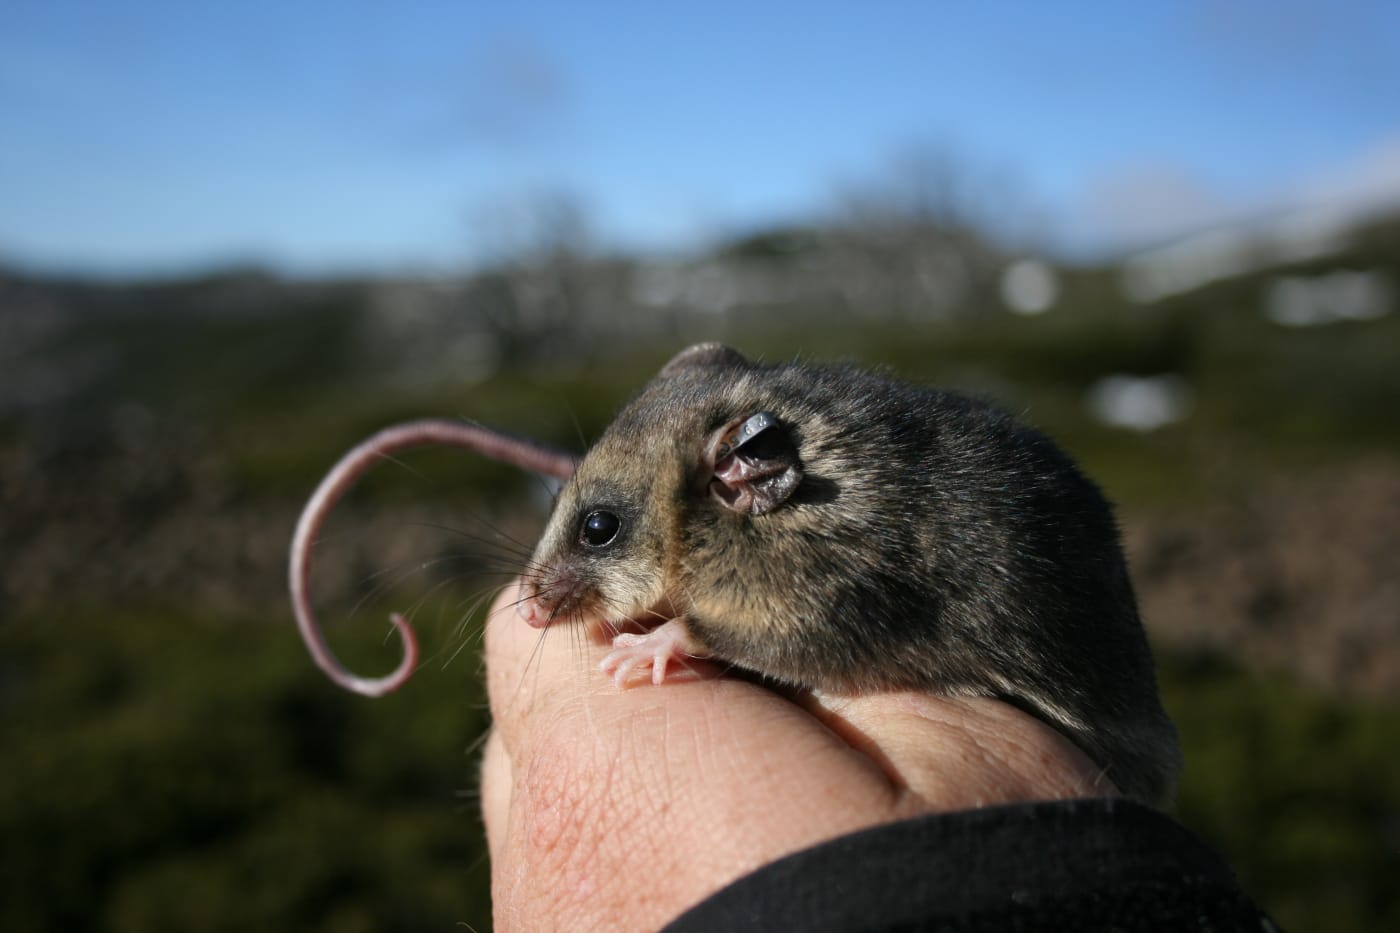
<point x="533" y="674"/>
<point x="529" y="669"/>
<point x="955" y="753"/>
<point x="587" y="787"/>
<point x="497" y="782"/>
<point x="638" y="803"/>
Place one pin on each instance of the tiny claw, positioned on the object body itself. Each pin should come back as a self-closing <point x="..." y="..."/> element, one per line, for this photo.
<point x="622" y="671"/>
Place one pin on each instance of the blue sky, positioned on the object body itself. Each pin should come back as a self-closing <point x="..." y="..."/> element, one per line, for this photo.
<point x="140" y="137"/>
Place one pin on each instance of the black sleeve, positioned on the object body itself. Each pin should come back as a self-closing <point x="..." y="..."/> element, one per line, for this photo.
<point x="1065" y="865"/>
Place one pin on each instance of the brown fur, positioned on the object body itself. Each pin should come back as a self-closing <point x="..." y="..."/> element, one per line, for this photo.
<point x="932" y="543"/>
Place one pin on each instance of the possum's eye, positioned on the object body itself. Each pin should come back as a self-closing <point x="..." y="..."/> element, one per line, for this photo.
<point x="600" y="528"/>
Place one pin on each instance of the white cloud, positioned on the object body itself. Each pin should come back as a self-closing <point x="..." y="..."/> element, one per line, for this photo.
<point x="1145" y="204"/>
<point x="1366" y="183"/>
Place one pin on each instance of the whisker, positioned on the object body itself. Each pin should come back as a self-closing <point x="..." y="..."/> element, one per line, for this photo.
<point x="578" y="428"/>
<point x="501" y="538"/>
<point x="486" y="596"/>
<point x="389" y="578"/>
<point x="390" y="458"/>
<point x="533" y="659"/>
<point x="476" y="745"/>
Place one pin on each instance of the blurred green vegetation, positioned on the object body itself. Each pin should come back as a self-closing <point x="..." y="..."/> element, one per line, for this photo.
<point x="1300" y="790"/>
<point x="175" y="762"/>
<point x="169" y="771"/>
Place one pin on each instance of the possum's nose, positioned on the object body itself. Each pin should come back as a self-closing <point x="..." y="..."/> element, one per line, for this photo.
<point x="554" y="594"/>
<point x="530" y="610"/>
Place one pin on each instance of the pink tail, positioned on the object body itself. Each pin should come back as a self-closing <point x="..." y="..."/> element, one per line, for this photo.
<point x="527" y="455"/>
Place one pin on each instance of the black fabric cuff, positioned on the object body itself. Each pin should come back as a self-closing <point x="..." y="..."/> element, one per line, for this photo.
<point x="1102" y="864"/>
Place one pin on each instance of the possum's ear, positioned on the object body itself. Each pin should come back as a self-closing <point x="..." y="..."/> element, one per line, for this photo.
<point x="751" y="465"/>
<point x="704" y="354"/>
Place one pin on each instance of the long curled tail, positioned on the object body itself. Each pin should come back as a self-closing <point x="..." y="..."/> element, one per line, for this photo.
<point x="528" y="455"/>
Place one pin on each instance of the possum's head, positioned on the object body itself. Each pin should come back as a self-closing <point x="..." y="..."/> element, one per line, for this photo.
<point x="611" y="549"/>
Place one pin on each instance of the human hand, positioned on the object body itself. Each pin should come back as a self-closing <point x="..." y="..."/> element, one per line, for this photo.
<point x="610" y="808"/>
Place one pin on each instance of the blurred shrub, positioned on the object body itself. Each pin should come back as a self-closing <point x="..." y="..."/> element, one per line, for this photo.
<point x="1301" y="791"/>
<point x="177" y="773"/>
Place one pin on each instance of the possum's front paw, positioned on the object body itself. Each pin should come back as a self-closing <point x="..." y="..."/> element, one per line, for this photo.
<point x="655" y="650"/>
